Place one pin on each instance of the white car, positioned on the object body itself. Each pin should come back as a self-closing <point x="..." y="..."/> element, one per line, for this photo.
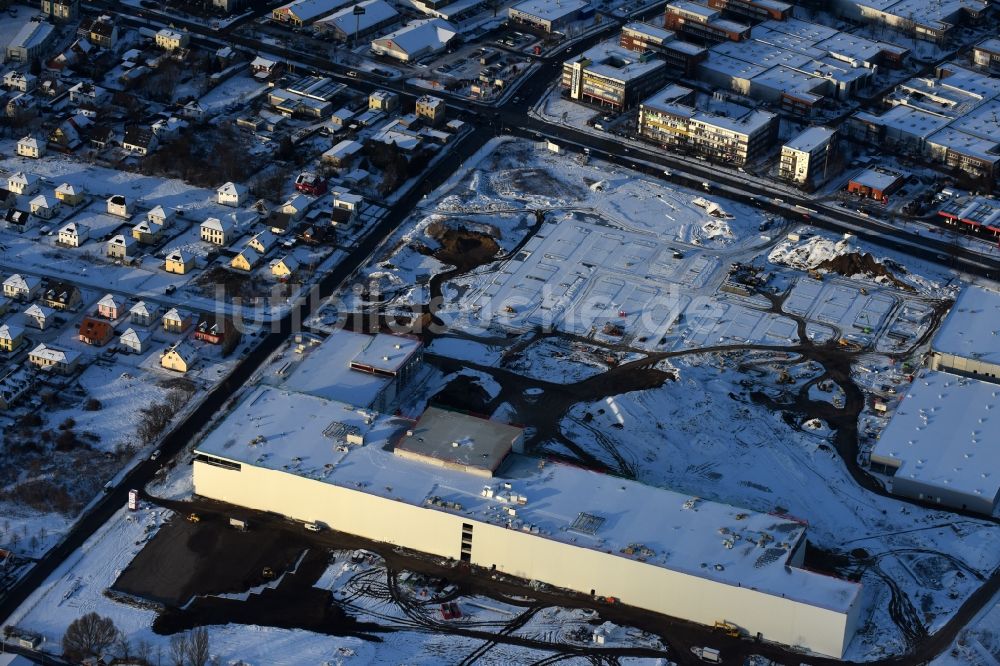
<point x="313" y="527"/>
<point x="155" y="455"/>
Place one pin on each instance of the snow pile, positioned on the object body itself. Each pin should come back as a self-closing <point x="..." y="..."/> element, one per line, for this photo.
<point x="809" y="253"/>
<point x="717" y="230"/>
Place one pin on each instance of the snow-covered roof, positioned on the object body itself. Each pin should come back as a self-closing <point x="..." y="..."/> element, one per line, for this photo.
<point x="562" y="503"/>
<point x="54" y="354"/>
<point x="74" y="229"/>
<point x="310" y="10"/>
<point x="376" y="11"/>
<point x="260" y="61"/>
<point x="433" y="34"/>
<point x="811" y="139"/>
<point x="29" y="142"/>
<point x="972" y="328"/>
<point x="10" y="332"/>
<point x="179" y="255"/>
<point x="609" y="60"/>
<point x="160" y="213"/>
<point x="387" y="353"/>
<point x="41" y="201"/>
<point x="18" y="281"/>
<point x="135" y="336"/>
<point x="877" y="179"/>
<point x="70" y="190"/>
<point x="216" y="224"/>
<point x="344" y="148"/>
<point x="141" y="308"/>
<point x="173" y="314"/>
<point x="547" y="10"/>
<point x="231" y="189"/>
<point x="184" y="349"/>
<point x="122" y="240"/>
<point x="943" y="435"/>
<point x="21" y="178"/>
<point x="288" y="261"/>
<point x="36" y="311"/>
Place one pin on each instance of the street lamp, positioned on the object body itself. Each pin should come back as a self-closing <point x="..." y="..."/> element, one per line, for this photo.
<point x="358" y="13"/>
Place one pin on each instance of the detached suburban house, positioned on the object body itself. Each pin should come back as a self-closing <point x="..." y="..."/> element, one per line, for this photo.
<point x="161" y="217"/>
<point x="95" y="332"/>
<point x="53" y="359"/>
<point x="245" y="260"/>
<point x="216" y="330"/>
<point x="134" y="340"/>
<point x="176" y="321"/>
<point x="147" y="233"/>
<point x="111" y="307"/>
<point x="121" y="247"/>
<point x="29" y="146"/>
<point x="11" y="337"/>
<point x="73" y="234"/>
<point x="179" y="262"/>
<point x="143" y="314"/>
<point x="262" y="241"/>
<point x="232" y="194"/>
<point x="13" y="386"/>
<point x="120" y="206"/>
<point x="38" y="316"/>
<point x="23" y="183"/>
<point x="44" y="208"/>
<point x="22" y="287"/>
<point x="71" y="195"/>
<point x="216" y="231"/>
<point x="180" y="357"/>
<point x="61" y="295"/>
<point x="139" y="140"/>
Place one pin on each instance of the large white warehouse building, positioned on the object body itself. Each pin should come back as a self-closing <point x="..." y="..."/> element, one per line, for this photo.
<point x="968" y="342"/>
<point x="454" y="486"/>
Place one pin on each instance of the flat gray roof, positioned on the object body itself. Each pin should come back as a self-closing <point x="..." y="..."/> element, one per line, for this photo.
<point x="456" y="438"/>
<point x="972" y="328"/>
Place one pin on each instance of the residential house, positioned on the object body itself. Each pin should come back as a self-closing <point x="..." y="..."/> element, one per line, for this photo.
<point x="310" y="183"/>
<point x="245" y="260"/>
<point x="232" y="194"/>
<point x="111" y="307"/>
<point x="95" y="332"/>
<point x="176" y="321"/>
<point x="193" y="111"/>
<point x="29" y="146"/>
<point x="17" y="220"/>
<point x="216" y="231"/>
<point x="296" y="206"/>
<point x="139" y="140"/>
<point x="73" y="234"/>
<point x="134" y="340"/>
<point x="11" y="337"/>
<point x="14" y="385"/>
<point x="101" y="31"/>
<point x="178" y="261"/>
<point x="383" y="100"/>
<point x="147" y="233"/>
<point x="143" y="314"/>
<point x="61" y="11"/>
<point x="161" y="216"/>
<point x="278" y="222"/>
<point x="15" y="80"/>
<point x="121" y="247"/>
<point x="120" y="205"/>
<point x="61" y="295"/>
<point x="71" y="195"/>
<point x="432" y="109"/>
<point x="101" y="137"/>
<point x="262" y="241"/>
<point x="43" y="207"/>
<point x="23" y="183"/>
<point x="38" y="316"/>
<point x="263" y="68"/>
<point x="171" y="40"/>
<point x="84" y="92"/>
<point x="21" y="287"/>
<point x="284" y="267"/>
<point x="214" y="329"/>
<point x="345" y="200"/>
<point x="342" y="154"/>
<point x="54" y="359"/>
<point x="180" y="357"/>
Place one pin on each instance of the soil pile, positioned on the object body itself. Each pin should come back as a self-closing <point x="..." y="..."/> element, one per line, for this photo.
<point x="462" y="248"/>
<point x="861" y="264"/>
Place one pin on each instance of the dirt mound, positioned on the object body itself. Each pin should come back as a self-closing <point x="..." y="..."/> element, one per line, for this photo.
<point x="463" y="248"/>
<point x="865" y="264"/>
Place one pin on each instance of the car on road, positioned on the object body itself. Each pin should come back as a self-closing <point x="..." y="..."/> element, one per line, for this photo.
<point x="517" y="100"/>
<point x="155" y="455"/>
<point x="353" y="74"/>
<point x="313" y="527"/>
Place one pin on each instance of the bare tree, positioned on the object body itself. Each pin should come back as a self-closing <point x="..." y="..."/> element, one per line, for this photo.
<point x="197" y="647"/>
<point x="143" y="650"/>
<point x="123" y="648"/>
<point x="88" y="636"/>
<point x="178" y="649"/>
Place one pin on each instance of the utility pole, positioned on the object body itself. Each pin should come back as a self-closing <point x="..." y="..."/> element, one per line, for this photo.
<point x="358" y="13"/>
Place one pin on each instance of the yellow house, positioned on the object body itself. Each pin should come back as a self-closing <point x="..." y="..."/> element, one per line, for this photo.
<point x="245" y="260"/>
<point x="147" y="233"/>
<point x="10" y="337"/>
<point x="71" y="195"/>
<point x="179" y="357"/>
<point x="178" y="261"/>
<point x="284" y="267"/>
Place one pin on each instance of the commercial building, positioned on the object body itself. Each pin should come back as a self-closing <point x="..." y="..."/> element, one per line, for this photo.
<point x="304" y="12"/>
<point x="61" y="11"/>
<point x="367" y="371"/>
<point x="986" y="54"/>
<point x="875" y="183"/>
<point x="671" y="119"/>
<point x="610" y="76"/>
<point x="678" y="54"/>
<point x="326" y="462"/>
<point x="941" y="446"/>
<point x="805" y="160"/>
<point x="549" y="15"/>
<point x="348" y="25"/>
<point x="968" y="342"/>
<point x="416" y="40"/>
<point x="703" y="24"/>
<point x="30" y="42"/>
<point x="980" y="214"/>
<point x="931" y="20"/>
<point x="753" y="10"/>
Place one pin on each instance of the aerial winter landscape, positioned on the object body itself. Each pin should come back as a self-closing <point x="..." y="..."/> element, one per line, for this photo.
<point x="499" y="332"/>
